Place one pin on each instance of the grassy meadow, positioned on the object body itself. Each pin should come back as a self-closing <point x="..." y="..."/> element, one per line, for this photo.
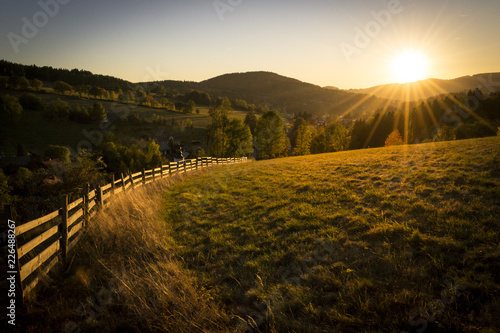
<point x="389" y="239"/>
<point x="399" y="239"/>
<point x="36" y="133"/>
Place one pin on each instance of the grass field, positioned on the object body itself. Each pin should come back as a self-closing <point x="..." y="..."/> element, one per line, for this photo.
<point x="401" y="239"/>
<point x="36" y="133"/>
<point x="386" y="239"/>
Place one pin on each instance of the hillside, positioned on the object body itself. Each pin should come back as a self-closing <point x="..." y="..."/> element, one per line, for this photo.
<point x="288" y="94"/>
<point x="390" y="239"/>
<point x="349" y="242"/>
<point x="487" y="83"/>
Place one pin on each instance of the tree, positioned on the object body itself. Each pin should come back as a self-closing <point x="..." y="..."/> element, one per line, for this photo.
<point x="36" y="84"/>
<point x="239" y="139"/>
<point x="10" y="109"/>
<point x="82" y="89"/>
<point x="303" y="140"/>
<point x="130" y="96"/>
<point x="340" y="139"/>
<point x="97" y="112"/>
<point x="153" y="155"/>
<point x="216" y="131"/>
<point x="298" y="122"/>
<point x="61" y="87"/>
<point x="23" y="181"/>
<point x="189" y="108"/>
<point x="97" y="92"/>
<point x="31" y="102"/>
<point x="58" y="152"/>
<point x="394" y="139"/>
<point x="251" y="121"/>
<point x="445" y="133"/>
<point x="160" y="90"/>
<point x="79" y="114"/>
<point x="270" y="138"/>
<point x="18" y="82"/>
<point x="5" y="190"/>
<point x="57" y="109"/>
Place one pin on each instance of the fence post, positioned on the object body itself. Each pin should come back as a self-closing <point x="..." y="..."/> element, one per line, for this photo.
<point x="161" y="171"/>
<point x="143" y="176"/>
<point x="19" y="285"/>
<point x="123" y="183"/>
<point x="86" y="203"/>
<point x="99" y="196"/>
<point x="154" y="172"/>
<point x="113" y="184"/>
<point x="131" y="180"/>
<point x="63" y="230"/>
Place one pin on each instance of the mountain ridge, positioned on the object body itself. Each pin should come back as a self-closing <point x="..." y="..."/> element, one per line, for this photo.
<point x="423" y="89"/>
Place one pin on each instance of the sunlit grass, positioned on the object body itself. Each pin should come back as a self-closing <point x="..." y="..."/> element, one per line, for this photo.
<point x="372" y="240"/>
<point x="352" y="241"/>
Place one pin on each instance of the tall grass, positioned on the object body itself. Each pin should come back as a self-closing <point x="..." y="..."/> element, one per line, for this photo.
<point x="125" y="278"/>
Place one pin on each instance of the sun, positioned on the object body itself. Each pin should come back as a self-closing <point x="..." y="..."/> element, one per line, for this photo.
<point x="409" y="66"/>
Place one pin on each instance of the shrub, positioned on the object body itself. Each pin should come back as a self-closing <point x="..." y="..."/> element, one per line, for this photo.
<point x="57" y="152"/>
<point x="57" y="109"/>
<point x="394" y="139"/>
<point x="31" y="102"/>
<point x="10" y="109"/>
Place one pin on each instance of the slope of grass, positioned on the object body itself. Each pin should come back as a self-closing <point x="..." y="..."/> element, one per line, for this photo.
<point x="124" y="277"/>
<point x="402" y="239"/>
<point x="390" y="239"/>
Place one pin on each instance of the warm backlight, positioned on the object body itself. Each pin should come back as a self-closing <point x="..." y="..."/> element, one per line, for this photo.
<point x="409" y="66"/>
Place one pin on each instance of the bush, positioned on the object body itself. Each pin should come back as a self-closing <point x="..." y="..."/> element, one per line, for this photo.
<point x="10" y="109"/>
<point x="394" y="139"/>
<point x="97" y="112"/>
<point x="31" y="102"/>
<point x="477" y="129"/>
<point x="57" y="109"/>
<point x="57" y="152"/>
<point x="79" y="115"/>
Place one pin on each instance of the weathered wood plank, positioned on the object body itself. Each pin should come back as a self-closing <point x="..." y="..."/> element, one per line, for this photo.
<point x="74" y="204"/>
<point x="44" y="271"/>
<point x="106" y="196"/>
<point x="73" y="218"/>
<point x="75" y="229"/>
<point x="106" y="187"/>
<point x="136" y="174"/>
<point x="21" y="252"/>
<point x="36" y="262"/>
<point x="35" y="223"/>
<point x="91" y="204"/>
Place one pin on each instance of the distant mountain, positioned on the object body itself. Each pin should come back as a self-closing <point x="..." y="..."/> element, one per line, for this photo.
<point x="487" y="82"/>
<point x="289" y="94"/>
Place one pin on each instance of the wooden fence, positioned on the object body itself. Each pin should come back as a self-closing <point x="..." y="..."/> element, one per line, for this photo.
<point x="42" y="243"/>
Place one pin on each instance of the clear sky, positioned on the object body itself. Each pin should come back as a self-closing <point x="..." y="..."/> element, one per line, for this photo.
<point x="325" y="42"/>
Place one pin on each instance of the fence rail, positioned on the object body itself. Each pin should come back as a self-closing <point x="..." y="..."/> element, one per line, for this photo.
<point x="45" y="241"/>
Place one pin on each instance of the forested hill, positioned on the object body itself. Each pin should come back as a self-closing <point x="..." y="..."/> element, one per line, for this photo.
<point x="290" y="95"/>
<point x="486" y="82"/>
<point x="73" y="77"/>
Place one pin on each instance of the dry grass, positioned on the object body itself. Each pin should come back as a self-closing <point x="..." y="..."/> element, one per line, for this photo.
<point x="125" y="278"/>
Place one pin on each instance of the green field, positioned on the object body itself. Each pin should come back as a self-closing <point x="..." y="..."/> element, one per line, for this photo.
<point x="35" y="133"/>
<point x="385" y="239"/>
<point x="399" y="239"/>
